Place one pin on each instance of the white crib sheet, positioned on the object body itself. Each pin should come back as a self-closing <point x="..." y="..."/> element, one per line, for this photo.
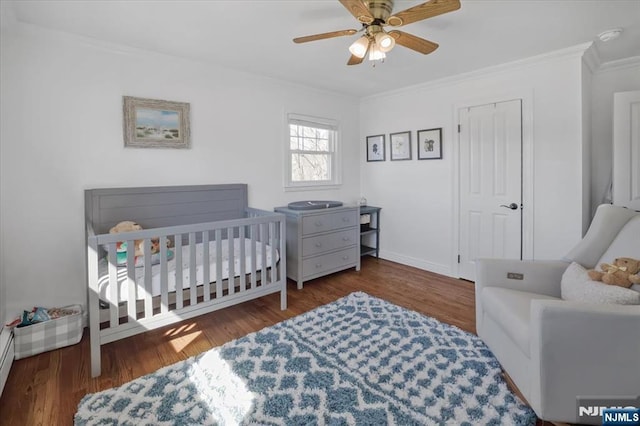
<point x="103" y="281"/>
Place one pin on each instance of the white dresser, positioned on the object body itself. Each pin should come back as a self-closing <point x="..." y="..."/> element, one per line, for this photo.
<point x="320" y="242"/>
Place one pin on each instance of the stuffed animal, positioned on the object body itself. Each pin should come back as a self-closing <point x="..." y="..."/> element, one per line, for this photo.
<point x="125" y="226"/>
<point x="155" y="245"/>
<point x="623" y="272"/>
<point x="128" y="226"/>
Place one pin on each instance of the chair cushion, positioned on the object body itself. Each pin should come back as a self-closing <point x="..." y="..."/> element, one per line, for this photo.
<point x="512" y="310"/>
<point x="625" y="244"/>
<point x="577" y="286"/>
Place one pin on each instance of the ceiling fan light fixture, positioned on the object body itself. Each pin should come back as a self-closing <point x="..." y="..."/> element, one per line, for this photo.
<point x="374" y="16"/>
<point x="385" y="42"/>
<point x="375" y="54"/>
<point x="359" y="47"/>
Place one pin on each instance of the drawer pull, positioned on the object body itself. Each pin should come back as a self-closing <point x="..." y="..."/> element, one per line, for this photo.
<point x="345" y="219"/>
<point x="318" y="245"/>
<point x="318" y="265"/>
<point x="345" y="257"/>
<point x="345" y="238"/>
<point x="318" y="223"/>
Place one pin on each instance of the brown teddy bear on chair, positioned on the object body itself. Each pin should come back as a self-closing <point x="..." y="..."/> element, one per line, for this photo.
<point x="623" y="272"/>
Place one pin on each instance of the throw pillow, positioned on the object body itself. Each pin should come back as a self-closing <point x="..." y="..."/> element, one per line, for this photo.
<point x="576" y="286"/>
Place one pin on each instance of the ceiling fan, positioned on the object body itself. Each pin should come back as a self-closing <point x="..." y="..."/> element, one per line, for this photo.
<point x="374" y="15"/>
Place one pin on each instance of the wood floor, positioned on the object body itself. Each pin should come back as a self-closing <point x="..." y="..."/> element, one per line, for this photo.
<point x="45" y="389"/>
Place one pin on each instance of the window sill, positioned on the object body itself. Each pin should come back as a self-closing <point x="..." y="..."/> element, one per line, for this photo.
<point x="297" y="188"/>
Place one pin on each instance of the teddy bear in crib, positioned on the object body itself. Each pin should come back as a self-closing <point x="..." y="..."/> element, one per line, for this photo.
<point x="624" y="272"/>
<point x="129" y="226"/>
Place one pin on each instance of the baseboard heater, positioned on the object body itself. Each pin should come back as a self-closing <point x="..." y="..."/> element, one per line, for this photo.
<point x="6" y="355"/>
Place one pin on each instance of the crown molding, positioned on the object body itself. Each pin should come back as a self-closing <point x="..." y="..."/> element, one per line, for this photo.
<point x="36" y="32"/>
<point x="631" y="62"/>
<point x="592" y="59"/>
<point x="569" y="52"/>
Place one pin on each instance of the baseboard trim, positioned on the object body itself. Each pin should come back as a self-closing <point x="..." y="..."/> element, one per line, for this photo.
<point x="416" y="263"/>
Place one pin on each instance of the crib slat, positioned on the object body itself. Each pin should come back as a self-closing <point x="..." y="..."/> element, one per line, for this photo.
<point x="114" y="286"/>
<point x="272" y="243"/>
<point x="218" y="263"/>
<point x="131" y="281"/>
<point x="164" y="284"/>
<point x="254" y="266"/>
<point x="283" y="264"/>
<point x="263" y="251"/>
<point x="94" y="306"/>
<point x="178" y="260"/>
<point x="206" y="266"/>
<point x="193" y="294"/>
<point x="231" y="262"/>
<point x="148" y="274"/>
<point x="243" y="261"/>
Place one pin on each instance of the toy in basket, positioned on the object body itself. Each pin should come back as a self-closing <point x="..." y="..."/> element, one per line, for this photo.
<point x="42" y="330"/>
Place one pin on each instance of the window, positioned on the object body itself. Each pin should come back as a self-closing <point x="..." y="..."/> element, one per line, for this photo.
<point x="312" y="154"/>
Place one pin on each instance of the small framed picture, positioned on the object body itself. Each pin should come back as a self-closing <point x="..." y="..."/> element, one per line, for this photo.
<point x="375" y="148"/>
<point x="400" y="146"/>
<point x="430" y="144"/>
<point x="154" y="123"/>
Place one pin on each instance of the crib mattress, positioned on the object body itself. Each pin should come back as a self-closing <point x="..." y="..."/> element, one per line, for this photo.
<point x="103" y="281"/>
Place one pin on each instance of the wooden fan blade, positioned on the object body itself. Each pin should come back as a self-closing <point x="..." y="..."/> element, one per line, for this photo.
<point x="354" y="60"/>
<point x="414" y="43"/>
<point x="324" y="35"/>
<point x="359" y="10"/>
<point x="423" y="11"/>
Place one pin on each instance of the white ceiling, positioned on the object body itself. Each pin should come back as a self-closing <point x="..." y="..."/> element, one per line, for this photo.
<point x="256" y="35"/>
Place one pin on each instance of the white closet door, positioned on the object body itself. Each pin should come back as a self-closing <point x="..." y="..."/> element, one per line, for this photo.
<point x="490" y="219"/>
<point x="626" y="149"/>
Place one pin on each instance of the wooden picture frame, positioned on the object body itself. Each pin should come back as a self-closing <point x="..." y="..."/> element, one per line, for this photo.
<point x="430" y="144"/>
<point x="400" y="146"/>
<point x="153" y="123"/>
<point x="375" y="148"/>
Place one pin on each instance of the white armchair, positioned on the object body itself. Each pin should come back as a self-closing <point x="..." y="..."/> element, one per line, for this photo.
<point x="557" y="350"/>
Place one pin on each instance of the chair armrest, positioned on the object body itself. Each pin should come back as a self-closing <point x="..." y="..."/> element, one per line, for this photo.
<point x="580" y="349"/>
<point x="538" y="276"/>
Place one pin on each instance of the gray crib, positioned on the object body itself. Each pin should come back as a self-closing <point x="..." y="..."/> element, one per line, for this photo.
<point x="214" y="252"/>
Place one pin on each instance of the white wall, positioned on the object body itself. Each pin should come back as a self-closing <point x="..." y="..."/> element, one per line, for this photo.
<point x="62" y="133"/>
<point x="417" y="197"/>
<point x="613" y="77"/>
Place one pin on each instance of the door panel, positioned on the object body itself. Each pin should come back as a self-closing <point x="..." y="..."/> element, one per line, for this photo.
<point x="626" y="149"/>
<point x="490" y="184"/>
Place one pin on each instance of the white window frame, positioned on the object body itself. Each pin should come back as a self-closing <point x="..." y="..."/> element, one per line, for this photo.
<point x="334" y="150"/>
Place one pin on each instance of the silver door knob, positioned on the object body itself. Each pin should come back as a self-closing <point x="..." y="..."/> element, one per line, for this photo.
<point x="512" y="206"/>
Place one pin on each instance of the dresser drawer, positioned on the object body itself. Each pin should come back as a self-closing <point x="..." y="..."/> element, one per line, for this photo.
<point x="329" y="222"/>
<point x="327" y="262"/>
<point x="327" y="242"/>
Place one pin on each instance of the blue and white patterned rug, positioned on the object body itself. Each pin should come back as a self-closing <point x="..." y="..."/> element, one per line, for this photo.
<point x="358" y="360"/>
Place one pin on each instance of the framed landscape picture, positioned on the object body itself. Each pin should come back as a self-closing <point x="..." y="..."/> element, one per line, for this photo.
<point x="375" y="148"/>
<point x="152" y="123"/>
<point x="430" y="144"/>
<point x="400" y="146"/>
